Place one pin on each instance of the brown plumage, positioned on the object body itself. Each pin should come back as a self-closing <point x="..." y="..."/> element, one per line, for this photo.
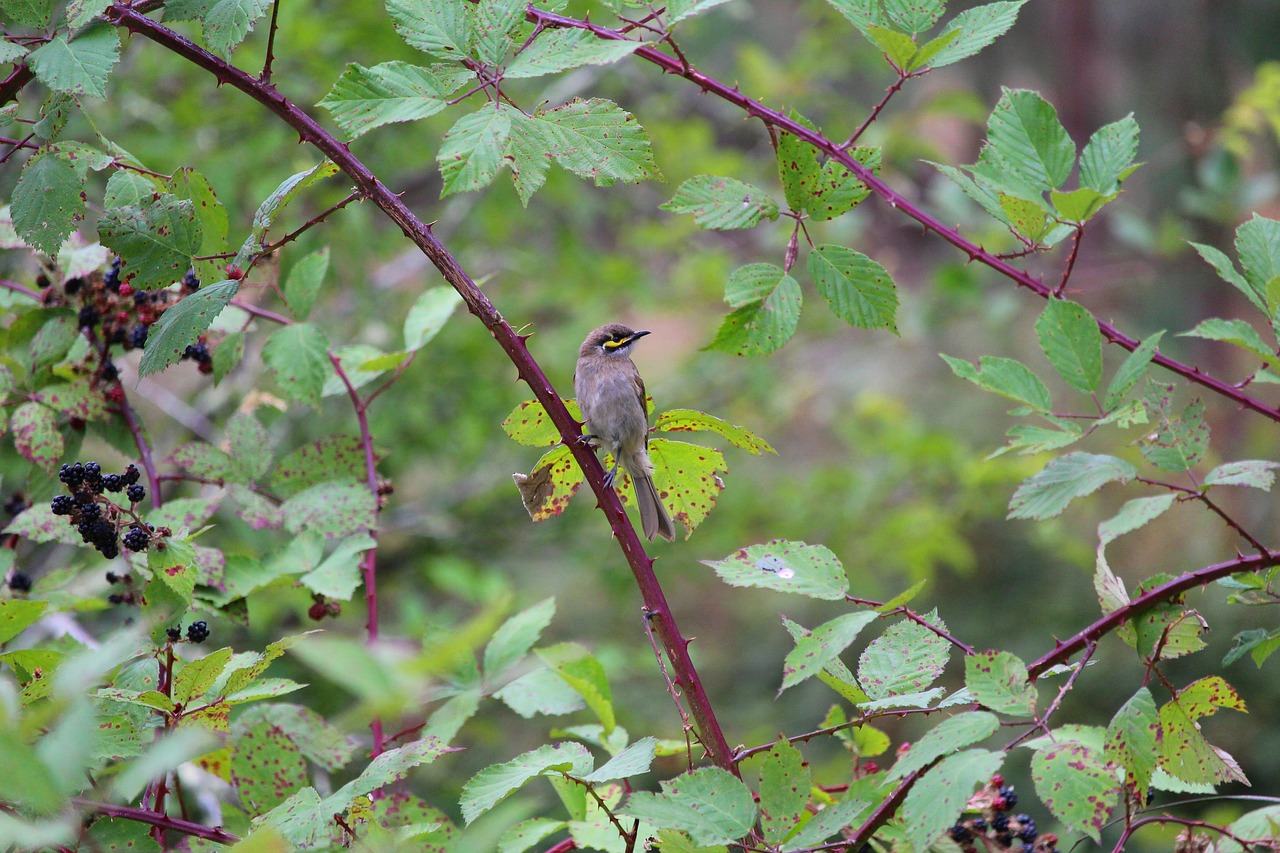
<point x="612" y="398"/>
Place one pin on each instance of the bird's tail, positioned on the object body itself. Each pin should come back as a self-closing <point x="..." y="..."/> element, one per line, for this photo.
<point x="653" y="515"/>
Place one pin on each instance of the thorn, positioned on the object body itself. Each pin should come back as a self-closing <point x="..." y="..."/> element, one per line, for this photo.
<point x="523" y="338"/>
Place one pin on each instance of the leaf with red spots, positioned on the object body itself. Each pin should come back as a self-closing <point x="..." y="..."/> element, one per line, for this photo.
<point x="266" y="767"/>
<point x="766" y="302"/>
<point x="36" y="436"/>
<point x="784" y="790"/>
<point x="687" y="479"/>
<point x="1131" y="740"/>
<point x="822" y="646"/>
<point x="1184" y="752"/>
<point x="1075" y="780"/>
<point x="553" y="482"/>
<point x="335" y="457"/>
<point x="784" y="566"/>
<point x="335" y="510"/>
<point x="999" y="682"/>
<point x="76" y="400"/>
<point x="943" y="792"/>
<point x="906" y="658"/>
<point x="530" y="425"/>
<point x="174" y="565"/>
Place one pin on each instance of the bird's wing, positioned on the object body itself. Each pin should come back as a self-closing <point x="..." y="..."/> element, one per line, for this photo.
<point x="644" y="398"/>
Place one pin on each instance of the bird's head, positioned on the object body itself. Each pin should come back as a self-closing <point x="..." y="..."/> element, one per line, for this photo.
<point x="611" y="339"/>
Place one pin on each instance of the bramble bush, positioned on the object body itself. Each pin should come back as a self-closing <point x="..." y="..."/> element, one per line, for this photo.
<point x="169" y="334"/>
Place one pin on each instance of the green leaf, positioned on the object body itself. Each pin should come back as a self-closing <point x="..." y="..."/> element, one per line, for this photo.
<point x="1134" y="514"/>
<point x="906" y="658"/>
<point x="1028" y="218"/>
<point x="1006" y="377"/>
<point x="1184" y="753"/>
<point x="318" y="740"/>
<point x="1131" y="740"/>
<point x="1108" y="156"/>
<point x="767" y="302"/>
<point x="861" y="13"/>
<point x="336" y="510"/>
<point x="157" y="240"/>
<point x="586" y="675"/>
<point x="335" y="457"/>
<point x="783" y="566"/>
<point x="1131" y="370"/>
<point x="710" y="804"/>
<point x="1077" y="783"/>
<point x="943" y="792"/>
<point x="1025" y="136"/>
<point x="36" y="435"/>
<point x="834" y="819"/>
<point x="187" y="183"/>
<point x="79" y="67"/>
<point x="547" y="489"/>
<point x="1069" y="336"/>
<point x="1255" y="473"/>
<point x="999" y="682"/>
<point x="1179" y="441"/>
<point x="471" y="153"/>
<point x="687" y="479"/>
<point x="430" y="311"/>
<point x="512" y="641"/>
<point x="493" y="784"/>
<point x="822" y="645"/>
<point x="365" y="98"/>
<point x="540" y="692"/>
<point x="1079" y="205"/>
<point x="784" y="791"/>
<point x="1258" y="245"/>
<point x="289" y="189"/>
<point x="530" y="425"/>
<point x="299" y="356"/>
<point x="691" y="420"/>
<point x="175" y="567"/>
<point x="304" y="280"/>
<point x="182" y="323"/>
<point x="524" y="835"/>
<point x="722" y="204"/>
<point x="528" y="154"/>
<point x="932" y="48"/>
<point x="47" y="202"/>
<point x="948" y="736"/>
<point x="195" y="678"/>
<point x="914" y="16"/>
<point x="978" y="28"/>
<point x="599" y="140"/>
<point x="1236" y="332"/>
<point x="561" y="49"/>
<point x="229" y="22"/>
<point x="898" y="47"/>
<point x="679" y="10"/>
<point x="1047" y="494"/>
<point x="249" y="446"/>
<point x="340" y="574"/>
<point x="632" y="761"/>
<point x="859" y="290"/>
<point x="439" y="27"/>
<point x="1227" y="272"/>
<point x="15" y="615"/>
<point x="797" y="167"/>
<point x="491" y="23"/>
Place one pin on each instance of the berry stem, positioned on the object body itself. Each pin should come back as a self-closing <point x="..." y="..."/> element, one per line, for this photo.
<point x="144" y="449"/>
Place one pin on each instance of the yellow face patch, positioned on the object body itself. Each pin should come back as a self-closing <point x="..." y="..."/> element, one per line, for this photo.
<point x="614" y="344"/>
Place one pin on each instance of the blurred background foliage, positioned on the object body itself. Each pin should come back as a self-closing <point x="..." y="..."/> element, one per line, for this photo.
<point x="881" y="451"/>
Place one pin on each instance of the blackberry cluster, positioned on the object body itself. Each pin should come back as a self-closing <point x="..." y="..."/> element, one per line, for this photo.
<point x="199" y="353"/>
<point x="97" y="519"/>
<point x="16" y="503"/>
<point x="137" y="539"/>
<point x="997" y="829"/>
<point x="198" y="632"/>
<point x="20" y="582"/>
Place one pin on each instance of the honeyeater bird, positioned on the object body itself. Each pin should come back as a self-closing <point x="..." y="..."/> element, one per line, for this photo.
<point x="611" y="395"/>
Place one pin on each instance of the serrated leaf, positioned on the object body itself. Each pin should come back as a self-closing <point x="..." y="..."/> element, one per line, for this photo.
<point x="687" y="478"/>
<point x="183" y="323"/>
<point x="304" y="281"/>
<point x="1184" y="752"/>
<point x="898" y="47"/>
<point x="821" y="646"/>
<point x="837" y="189"/>
<point x="906" y="658"/>
<point x="767" y="312"/>
<point x="1006" y="377"/>
<point x="187" y="183"/>
<point x="16" y="615"/>
<point x="598" y="140"/>
<point x="197" y="676"/>
<point x="528" y="154"/>
<point x="1228" y="273"/>
<point x="336" y="510"/>
<point x="175" y="567"/>
<point x="36" y="435"/>
<point x="914" y="16"/>
<point x="47" y="202"/>
<point x="1180" y="441"/>
<point x="540" y="692"/>
<point x="1236" y="332"/>
<point x="632" y="761"/>
<point x="1025" y="136"/>
<point x="710" y="804"/>
<point x="1079" y="205"/>
<point x="289" y="189"/>
<point x="932" y="48"/>
<point x="229" y="22"/>
<point x="298" y="354"/>
<point x="493" y="784"/>
<point x="1078" y="784"/>
<point x="513" y="639"/>
<point x="365" y="98"/>
<point x="586" y="675"/>
<point x="679" y="10"/>
<point x="1027" y="218"/>
<point x="547" y="489"/>
<point x="1069" y="337"/>
<point x="125" y="188"/>
<point x="1131" y="370"/>
<point x="1000" y="683"/>
<point x="78" y="67"/>
<point x="1255" y="473"/>
<point x="471" y="153"/>
<point x="440" y="27"/>
<point x="784" y="791"/>
<point x="1258" y="245"/>
<point x="339" y="575"/>
<point x="1048" y="493"/>
<point x="978" y="27"/>
<point x="722" y="204"/>
<point x="157" y="241"/>
<point x="559" y="50"/>
<point x="1131" y="740"/>
<point x="950" y="735"/>
<point x="1108" y="155"/>
<point x="783" y="566"/>
<point x="1134" y="514"/>
<point x="859" y="290"/>
<point x="1029" y="438"/>
<point x="430" y="311"/>
<point x="943" y="792"/>
<point x="691" y="420"/>
<point x="333" y="458"/>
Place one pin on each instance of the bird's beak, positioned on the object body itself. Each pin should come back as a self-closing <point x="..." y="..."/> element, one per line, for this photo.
<point x="637" y="335"/>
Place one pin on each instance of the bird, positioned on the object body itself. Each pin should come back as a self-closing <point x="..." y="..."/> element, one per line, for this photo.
<point x="611" y="396"/>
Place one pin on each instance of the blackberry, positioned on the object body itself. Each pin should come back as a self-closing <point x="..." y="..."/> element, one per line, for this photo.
<point x="112" y="482"/>
<point x="190" y="282"/>
<point x="112" y="577"/>
<point x="1004" y="839"/>
<point x="198" y="353"/>
<point x="16" y="503"/>
<point x="62" y="504"/>
<point x="20" y="582"/>
<point x="174" y="634"/>
<point x="115" y="598"/>
<point x="109" y="370"/>
<point x="960" y="833"/>
<point x="73" y="286"/>
<point x="1028" y="834"/>
<point x="88" y="317"/>
<point x="979" y="823"/>
<point x="72" y="475"/>
<point x="112" y="278"/>
<point x="198" y="632"/>
<point x="131" y="474"/>
<point x="110" y="550"/>
<point x="1010" y="796"/>
<point x="1000" y="822"/>
<point x="136" y="493"/>
<point x="93" y="476"/>
<point x="90" y="510"/>
<point x="115" y="335"/>
<point x="136" y="539"/>
<point x="138" y="334"/>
